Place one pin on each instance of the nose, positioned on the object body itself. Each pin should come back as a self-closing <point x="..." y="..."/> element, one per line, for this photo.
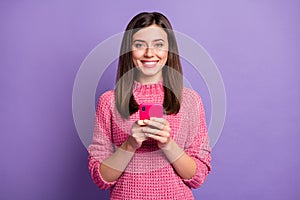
<point x="149" y="52"/>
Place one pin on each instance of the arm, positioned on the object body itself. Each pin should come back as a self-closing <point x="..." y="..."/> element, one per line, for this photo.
<point x="106" y="161"/>
<point x="184" y="165"/>
<point x="113" y="167"/>
<point x="192" y="163"/>
<point x="102" y="146"/>
<point x="159" y="129"/>
<point x="197" y="144"/>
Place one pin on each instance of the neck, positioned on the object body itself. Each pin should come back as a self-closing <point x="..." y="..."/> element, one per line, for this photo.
<point x="148" y="79"/>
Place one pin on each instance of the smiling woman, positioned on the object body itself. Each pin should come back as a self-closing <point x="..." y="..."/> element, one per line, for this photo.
<point x="150" y="53"/>
<point x="156" y="158"/>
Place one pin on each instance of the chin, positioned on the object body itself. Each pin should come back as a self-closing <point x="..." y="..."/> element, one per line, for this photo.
<point x="150" y="72"/>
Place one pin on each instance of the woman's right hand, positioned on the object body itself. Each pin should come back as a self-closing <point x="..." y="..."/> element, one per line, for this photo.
<point x="137" y="137"/>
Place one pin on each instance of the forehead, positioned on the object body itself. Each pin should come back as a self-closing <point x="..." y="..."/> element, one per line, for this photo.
<point x="150" y="33"/>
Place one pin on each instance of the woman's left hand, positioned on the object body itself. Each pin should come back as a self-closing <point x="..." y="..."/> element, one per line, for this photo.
<point x="158" y="129"/>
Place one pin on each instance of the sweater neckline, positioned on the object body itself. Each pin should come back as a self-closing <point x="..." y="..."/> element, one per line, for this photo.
<point x="138" y="85"/>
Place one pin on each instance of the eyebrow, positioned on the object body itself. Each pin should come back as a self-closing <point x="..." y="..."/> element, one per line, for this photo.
<point x="156" y="40"/>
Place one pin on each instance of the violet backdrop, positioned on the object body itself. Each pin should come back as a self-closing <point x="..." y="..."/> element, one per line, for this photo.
<point x="255" y="45"/>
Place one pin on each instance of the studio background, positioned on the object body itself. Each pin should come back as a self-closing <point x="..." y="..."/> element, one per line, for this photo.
<point x="255" y="45"/>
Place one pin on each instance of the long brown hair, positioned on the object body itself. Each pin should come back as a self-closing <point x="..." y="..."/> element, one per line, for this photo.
<point x="172" y="72"/>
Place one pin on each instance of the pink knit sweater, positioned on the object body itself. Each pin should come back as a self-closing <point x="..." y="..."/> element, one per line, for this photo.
<point x="149" y="175"/>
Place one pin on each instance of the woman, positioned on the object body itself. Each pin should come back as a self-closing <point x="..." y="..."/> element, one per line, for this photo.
<point x="159" y="158"/>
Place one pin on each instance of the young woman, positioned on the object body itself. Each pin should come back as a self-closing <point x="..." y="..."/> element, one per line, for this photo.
<point x="159" y="158"/>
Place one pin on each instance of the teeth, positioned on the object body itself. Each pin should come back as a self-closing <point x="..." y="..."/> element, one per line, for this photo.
<point x="150" y="63"/>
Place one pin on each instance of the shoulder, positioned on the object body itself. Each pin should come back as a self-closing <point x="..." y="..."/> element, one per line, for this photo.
<point x="191" y="96"/>
<point x="107" y="94"/>
<point x="192" y="103"/>
<point x="107" y="98"/>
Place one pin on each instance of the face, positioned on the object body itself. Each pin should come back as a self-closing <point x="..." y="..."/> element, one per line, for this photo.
<point x="150" y="53"/>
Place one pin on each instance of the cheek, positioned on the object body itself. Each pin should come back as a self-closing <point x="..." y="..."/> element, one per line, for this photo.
<point x="163" y="55"/>
<point x="136" y="55"/>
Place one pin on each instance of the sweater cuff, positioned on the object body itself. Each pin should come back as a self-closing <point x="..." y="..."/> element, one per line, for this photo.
<point x="199" y="177"/>
<point x="98" y="179"/>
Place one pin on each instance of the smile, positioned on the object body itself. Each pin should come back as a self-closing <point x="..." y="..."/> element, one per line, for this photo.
<point x="149" y="63"/>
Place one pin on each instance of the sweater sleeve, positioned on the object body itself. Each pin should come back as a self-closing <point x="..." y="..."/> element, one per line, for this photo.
<point x="197" y="143"/>
<point x="102" y="146"/>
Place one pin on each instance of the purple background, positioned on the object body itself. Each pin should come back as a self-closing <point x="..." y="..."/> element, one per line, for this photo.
<point x="255" y="44"/>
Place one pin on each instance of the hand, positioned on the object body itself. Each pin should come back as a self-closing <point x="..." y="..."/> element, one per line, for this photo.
<point x="137" y="136"/>
<point x="158" y="129"/>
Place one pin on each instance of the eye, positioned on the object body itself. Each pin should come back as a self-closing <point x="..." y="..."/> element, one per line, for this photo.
<point x="139" y="45"/>
<point x="159" y="45"/>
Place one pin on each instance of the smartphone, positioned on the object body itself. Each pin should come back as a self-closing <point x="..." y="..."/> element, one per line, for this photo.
<point x="148" y="110"/>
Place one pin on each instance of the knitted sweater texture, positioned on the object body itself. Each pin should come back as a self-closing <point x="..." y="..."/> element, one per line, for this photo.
<point x="149" y="175"/>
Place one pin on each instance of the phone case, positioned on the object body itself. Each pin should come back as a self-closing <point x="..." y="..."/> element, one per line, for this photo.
<point x="148" y="110"/>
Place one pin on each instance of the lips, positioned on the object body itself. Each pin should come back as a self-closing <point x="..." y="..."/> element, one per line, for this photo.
<point x="149" y="63"/>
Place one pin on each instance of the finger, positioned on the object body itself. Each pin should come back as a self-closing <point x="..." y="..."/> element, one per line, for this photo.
<point x="140" y="122"/>
<point x="154" y="124"/>
<point x="137" y="131"/>
<point x="157" y="138"/>
<point x="139" y="135"/>
<point x="159" y="120"/>
<point x="158" y="125"/>
<point x="156" y="132"/>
